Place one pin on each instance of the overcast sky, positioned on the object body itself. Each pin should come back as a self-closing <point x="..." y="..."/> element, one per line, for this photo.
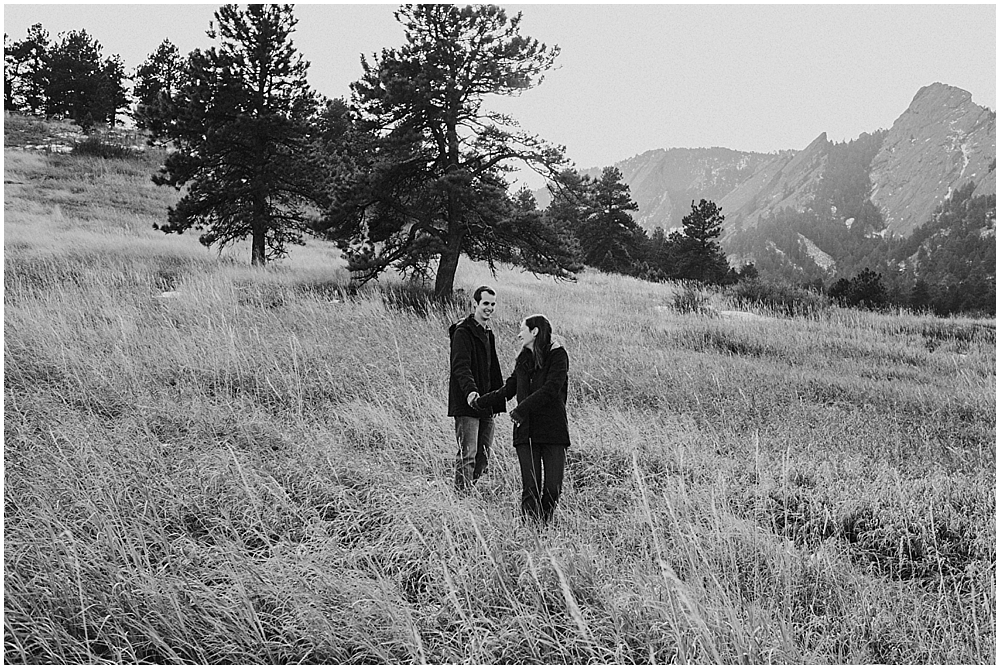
<point x="632" y="78"/>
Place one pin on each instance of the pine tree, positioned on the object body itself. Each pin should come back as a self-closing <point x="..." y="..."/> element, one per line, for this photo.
<point x="867" y="290"/>
<point x="241" y="122"/>
<point x="9" y="74"/>
<point x="572" y="199"/>
<point x="26" y="70"/>
<point x="611" y="239"/>
<point x="920" y="296"/>
<point x="157" y="82"/>
<point x="432" y="187"/>
<point x="658" y="255"/>
<point x="547" y="244"/>
<point x="696" y="254"/>
<point x="80" y="84"/>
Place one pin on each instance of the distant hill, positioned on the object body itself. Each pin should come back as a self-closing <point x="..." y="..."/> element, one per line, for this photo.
<point x="941" y="142"/>
<point x="882" y="185"/>
<point x="663" y="182"/>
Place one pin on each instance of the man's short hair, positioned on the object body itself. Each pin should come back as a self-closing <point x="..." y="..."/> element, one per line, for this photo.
<point x="478" y="294"/>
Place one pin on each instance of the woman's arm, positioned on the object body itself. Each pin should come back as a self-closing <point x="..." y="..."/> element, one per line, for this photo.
<point x="499" y="396"/>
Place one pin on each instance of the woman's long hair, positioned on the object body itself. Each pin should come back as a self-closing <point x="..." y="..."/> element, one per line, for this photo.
<point x="543" y="340"/>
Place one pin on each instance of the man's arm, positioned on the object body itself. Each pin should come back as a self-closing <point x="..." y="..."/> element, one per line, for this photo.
<point x="461" y="362"/>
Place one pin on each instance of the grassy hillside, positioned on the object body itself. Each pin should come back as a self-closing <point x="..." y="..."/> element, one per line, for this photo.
<point x="253" y="468"/>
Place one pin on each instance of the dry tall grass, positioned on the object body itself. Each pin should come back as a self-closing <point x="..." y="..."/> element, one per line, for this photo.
<point x="255" y="467"/>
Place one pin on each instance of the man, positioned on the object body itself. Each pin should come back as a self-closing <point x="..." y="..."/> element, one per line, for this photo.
<point x="475" y="371"/>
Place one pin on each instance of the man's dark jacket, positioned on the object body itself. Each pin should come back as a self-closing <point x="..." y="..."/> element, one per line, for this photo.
<point x="474" y="367"/>
<point x="541" y="398"/>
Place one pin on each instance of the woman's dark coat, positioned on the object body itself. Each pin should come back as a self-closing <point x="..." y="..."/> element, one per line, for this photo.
<point x="541" y="398"/>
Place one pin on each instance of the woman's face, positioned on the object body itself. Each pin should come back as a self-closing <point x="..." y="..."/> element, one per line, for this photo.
<point x="527" y="336"/>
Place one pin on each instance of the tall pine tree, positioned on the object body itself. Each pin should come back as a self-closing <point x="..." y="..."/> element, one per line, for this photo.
<point x="241" y="123"/>
<point x="432" y="186"/>
<point x="612" y="241"/>
<point x="157" y="82"/>
<point x="26" y="71"/>
<point x="82" y="85"/>
<point x="696" y="254"/>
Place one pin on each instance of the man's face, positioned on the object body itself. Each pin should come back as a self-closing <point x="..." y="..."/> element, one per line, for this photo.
<point x="484" y="308"/>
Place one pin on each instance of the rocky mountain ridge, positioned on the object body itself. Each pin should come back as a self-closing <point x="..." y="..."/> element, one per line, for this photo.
<point x="664" y="182"/>
<point x="942" y="141"/>
<point x="787" y="181"/>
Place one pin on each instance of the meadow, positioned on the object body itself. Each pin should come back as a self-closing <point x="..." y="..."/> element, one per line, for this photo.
<point x="208" y="463"/>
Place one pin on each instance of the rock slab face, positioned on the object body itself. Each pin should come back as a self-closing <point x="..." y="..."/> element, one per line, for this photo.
<point x="940" y="143"/>
<point x="788" y="181"/>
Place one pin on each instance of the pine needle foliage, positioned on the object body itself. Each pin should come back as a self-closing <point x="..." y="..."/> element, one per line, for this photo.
<point x="240" y="123"/>
<point x="431" y="185"/>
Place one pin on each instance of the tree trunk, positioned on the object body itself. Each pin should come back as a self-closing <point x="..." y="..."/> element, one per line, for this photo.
<point x="259" y="225"/>
<point x="444" y="282"/>
<point x="257" y="251"/>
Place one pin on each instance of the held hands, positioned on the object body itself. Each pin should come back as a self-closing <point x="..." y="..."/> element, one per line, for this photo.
<point x="473" y="401"/>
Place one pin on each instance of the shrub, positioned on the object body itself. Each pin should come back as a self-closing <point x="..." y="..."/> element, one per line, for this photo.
<point x="336" y="290"/>
<point x="692" y="298"/>
<point x="865" y="291"/>
<point x="779" y="297"/>
<point x="936" y="332"/>
<point x="96" y="146"/>
<point x="420" y="300"/>
<point x="903" y="544"/>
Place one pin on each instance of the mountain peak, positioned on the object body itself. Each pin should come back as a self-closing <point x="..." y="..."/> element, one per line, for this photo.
<point x="820" y="141"/>
<point x="940" y="143"/>
<point x="939" y="95"/>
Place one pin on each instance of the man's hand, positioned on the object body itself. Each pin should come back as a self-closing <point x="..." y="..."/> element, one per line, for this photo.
<point x="473" y="396"/>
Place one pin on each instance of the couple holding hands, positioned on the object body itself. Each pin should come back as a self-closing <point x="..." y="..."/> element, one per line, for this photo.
<point x="477" y="393"/>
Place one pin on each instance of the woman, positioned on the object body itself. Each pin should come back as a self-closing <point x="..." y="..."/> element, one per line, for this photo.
<point x="541" y="431"/>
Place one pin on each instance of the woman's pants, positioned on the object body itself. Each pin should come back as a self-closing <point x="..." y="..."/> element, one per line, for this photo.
<point x="542" y="467"/>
